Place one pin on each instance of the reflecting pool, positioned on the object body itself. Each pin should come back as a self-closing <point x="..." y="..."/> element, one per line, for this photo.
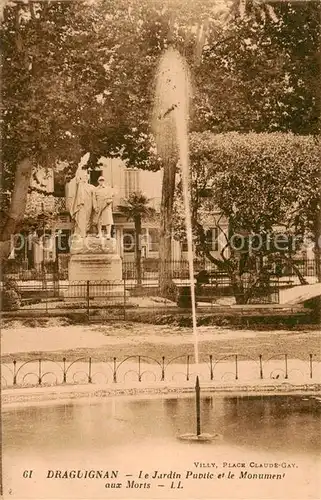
<point x="266" y="444"/>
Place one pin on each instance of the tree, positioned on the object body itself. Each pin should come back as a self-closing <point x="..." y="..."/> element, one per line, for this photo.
<point x="34" y="117"/>
<point x="137" y="209"/>
<point x="262" y="184"/>
<point x="248" y="77"/>
<point x="61" y="101"/>
<point x="79" y="78"/>
<point x="265" y="71"/>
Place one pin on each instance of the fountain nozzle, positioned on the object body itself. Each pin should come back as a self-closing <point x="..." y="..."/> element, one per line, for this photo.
<point x="199" y="437"/>
<point x="198" y="406"/>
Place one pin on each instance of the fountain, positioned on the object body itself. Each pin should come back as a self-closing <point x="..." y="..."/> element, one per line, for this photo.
<point x="173" y="91"/>
<point x="172" y="110"/>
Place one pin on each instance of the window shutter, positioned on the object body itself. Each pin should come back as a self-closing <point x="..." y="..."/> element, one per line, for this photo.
<point x="131" y="181"/>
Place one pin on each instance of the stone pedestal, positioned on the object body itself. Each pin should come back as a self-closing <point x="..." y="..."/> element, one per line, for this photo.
<point x="95" y="267"/>
<point x="94" y="260"/>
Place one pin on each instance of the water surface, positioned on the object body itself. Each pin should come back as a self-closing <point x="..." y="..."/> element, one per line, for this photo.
<point x="141" y="433"/>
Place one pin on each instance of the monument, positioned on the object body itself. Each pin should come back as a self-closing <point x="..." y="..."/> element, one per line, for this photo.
<point x="94" y="256"/>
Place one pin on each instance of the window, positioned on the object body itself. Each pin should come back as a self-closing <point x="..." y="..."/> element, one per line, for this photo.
<point x="131" y="181"/>
<point x="129" y="240"/>
<point x="212" y="239"/>
<point x="47" y="245"/>
<point x="184" y="246"/>
<point x="153" y="240"/>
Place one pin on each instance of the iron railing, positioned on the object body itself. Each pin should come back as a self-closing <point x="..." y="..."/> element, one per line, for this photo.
<point x="113" y="297"/>
<point x="142" y="368"/>
<point x="285" y="274"/>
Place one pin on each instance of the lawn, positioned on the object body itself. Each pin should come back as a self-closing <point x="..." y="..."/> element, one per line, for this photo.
<point x="120" y="339"/>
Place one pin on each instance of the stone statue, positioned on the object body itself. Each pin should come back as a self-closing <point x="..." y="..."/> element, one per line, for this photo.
<point x="80" y="201"/>
<point x="91" y="258"/>
<point x="102" y="205"/>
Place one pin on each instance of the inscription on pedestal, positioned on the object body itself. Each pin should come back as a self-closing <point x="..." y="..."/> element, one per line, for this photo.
<point x="95" y="268"/>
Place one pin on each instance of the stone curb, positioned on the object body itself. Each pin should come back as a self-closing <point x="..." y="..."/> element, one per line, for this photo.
<point x="34" y="396"/>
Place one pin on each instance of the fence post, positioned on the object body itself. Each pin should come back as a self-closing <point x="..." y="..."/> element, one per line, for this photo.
<point x="88" y="300"/>
<point x="286" y="365"/>
<point x="187" y="368"/>
<point x="39" y="373"/>
<point x="46" y="293"/>
<point x="14" y="372"/>
<point x="65" y="375"/>
<point x="236" y="368"/>
<point x="89" y="372"/>
<point x="163" y="368"/>
<point x="211" y="365"/>
<point x="56" y="278"/>
<point x="115" y="371"/>
<point x="125" y="297"/>
<point x="261" y="367"/>
<point x="311" y="366"/>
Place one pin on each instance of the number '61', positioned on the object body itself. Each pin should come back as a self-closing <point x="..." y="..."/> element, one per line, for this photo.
<point x="27" y="474"/>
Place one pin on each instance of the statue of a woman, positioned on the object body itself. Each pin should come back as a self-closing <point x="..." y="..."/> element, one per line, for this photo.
<point x="80" y="201"/>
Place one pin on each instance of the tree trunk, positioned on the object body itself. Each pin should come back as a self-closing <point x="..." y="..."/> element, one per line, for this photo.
<point x="17" y="205"/>
<point x="238" y="290"/>
<point x="295" y="268"/>
<point x="138" y="248"/>
<point x="302" y="279"/>
<point x="230" y="265"/>
<point x="317" y="245"/>
<point x="166" y="285"/>
<point x="317" y="258"/>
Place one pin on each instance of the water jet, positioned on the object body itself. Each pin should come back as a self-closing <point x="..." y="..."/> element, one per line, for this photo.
<point x="173" y="91"/>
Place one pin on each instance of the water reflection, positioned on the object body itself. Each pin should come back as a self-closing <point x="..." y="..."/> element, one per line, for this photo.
<point x="269" y="423"/>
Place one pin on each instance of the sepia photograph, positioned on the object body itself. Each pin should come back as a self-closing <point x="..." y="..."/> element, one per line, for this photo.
<point x="160" y="242"/>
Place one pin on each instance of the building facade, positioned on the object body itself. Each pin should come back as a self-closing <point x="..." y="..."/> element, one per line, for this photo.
<point x="50" y="242"/>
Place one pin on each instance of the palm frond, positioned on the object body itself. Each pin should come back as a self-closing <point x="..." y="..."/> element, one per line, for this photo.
<point x="136" y="205"/>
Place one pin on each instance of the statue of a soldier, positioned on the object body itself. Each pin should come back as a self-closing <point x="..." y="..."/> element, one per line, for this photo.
<point x="102" y="205"/>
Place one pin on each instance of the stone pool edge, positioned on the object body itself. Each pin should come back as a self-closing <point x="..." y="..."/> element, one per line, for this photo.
<point x="11" y="398"/>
